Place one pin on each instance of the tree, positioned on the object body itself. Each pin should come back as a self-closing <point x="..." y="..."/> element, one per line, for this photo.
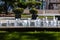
<point x="33" y="4"/>
<point x="6" y="3"/>
<point x="32" y="7"/>
<point x="22" y="5"/>
<point x="18" y="12"/>
<point x="34" y="12"/>
<point x="1" y="9"/>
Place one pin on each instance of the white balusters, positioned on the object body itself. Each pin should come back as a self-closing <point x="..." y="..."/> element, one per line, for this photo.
<point x="37" y="22"/>
<point x="52" y="23"/>
<point x="43" y="22"/>
<point x="7" y="23"/>
<point x="15" y="23"/>
<point x="29" y="20"/>
<point x="47" y="23"/>
<point x="24" y="22"/>
<point x="55" y="21"/>
<point x="0" y="23"/>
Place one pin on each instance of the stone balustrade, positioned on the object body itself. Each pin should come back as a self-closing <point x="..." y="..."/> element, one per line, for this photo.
<point x="29" y="23"/>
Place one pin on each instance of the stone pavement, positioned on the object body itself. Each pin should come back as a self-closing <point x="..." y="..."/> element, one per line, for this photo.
<point x="26" y="27"/>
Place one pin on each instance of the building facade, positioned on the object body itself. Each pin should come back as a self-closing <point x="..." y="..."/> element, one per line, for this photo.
<point x="46" y="4"/>
<point x="52" y="6"/>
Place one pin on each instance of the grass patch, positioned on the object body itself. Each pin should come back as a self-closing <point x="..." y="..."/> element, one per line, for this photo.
<point x="36" y="35"/>
<point x="29" y="16"/>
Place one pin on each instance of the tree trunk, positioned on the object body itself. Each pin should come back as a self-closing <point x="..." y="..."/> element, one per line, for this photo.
<point x="34" y="16"/>
<point x="17" y="16"/>
<point x="6" y="8"/>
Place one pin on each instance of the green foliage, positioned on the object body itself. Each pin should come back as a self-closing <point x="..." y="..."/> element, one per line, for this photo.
<point x="18" y="10"/>
<point x="1" y="9"/>
<point x="22" y="5"/>
<point x="10" y="0"/>
<point x="30" y="36"/>
<point x="33" y="11"/>
<point x="31" y="0"/>
<point x="31" y="4"/>
<point x="38" y="3"/>
<point x="13" y="36"/>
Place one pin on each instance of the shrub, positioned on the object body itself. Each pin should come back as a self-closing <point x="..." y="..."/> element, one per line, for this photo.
<point x="38" y="3"/>
<point x="33" y="11"/>
<point x="22" y="5"/>
<point x="30" y="4"/>
<point x="18" y="10"/>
